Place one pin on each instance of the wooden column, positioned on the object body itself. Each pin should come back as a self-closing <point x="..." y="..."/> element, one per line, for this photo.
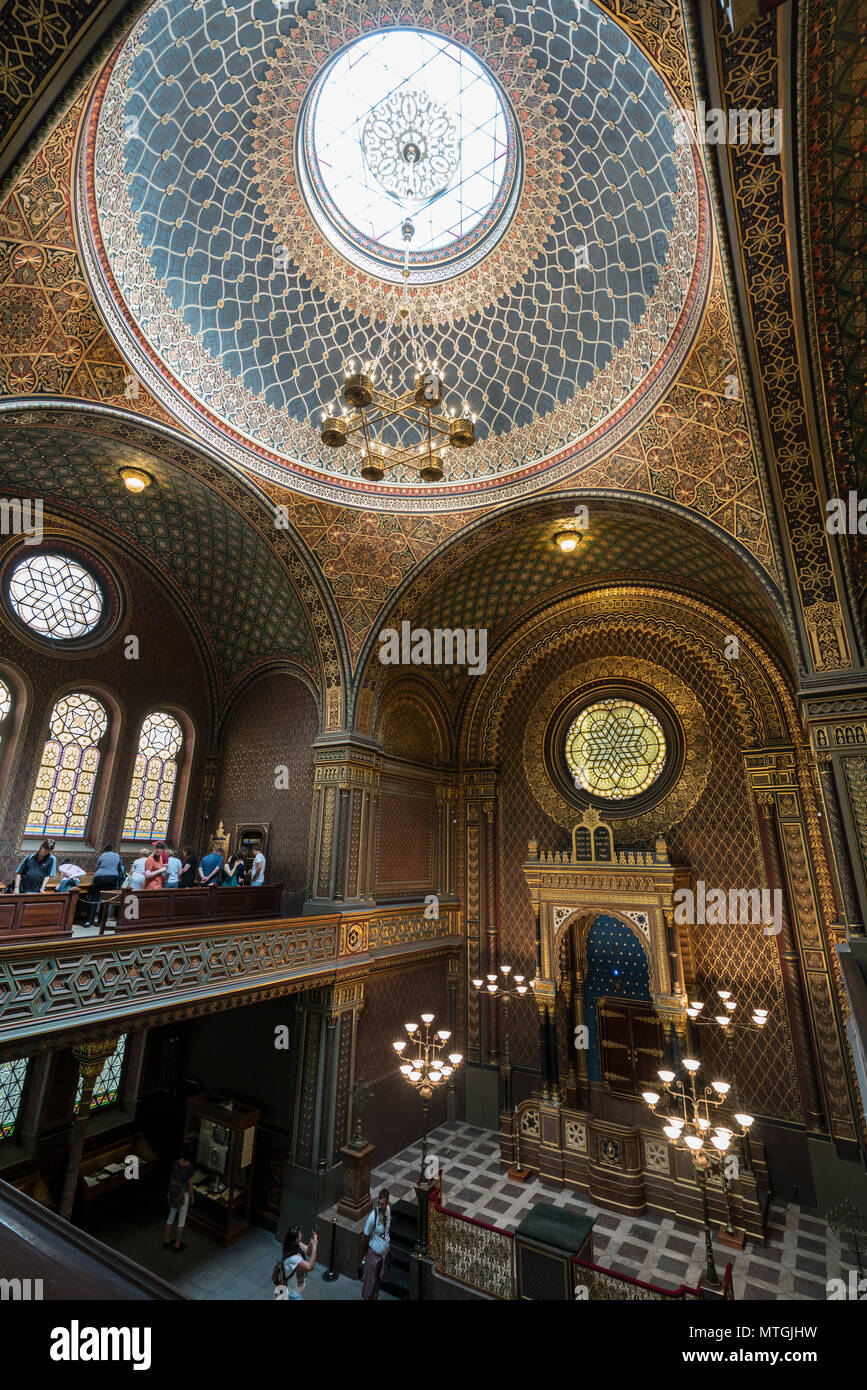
<point x="479" y="789"/>
<point x="90" y="1057"/>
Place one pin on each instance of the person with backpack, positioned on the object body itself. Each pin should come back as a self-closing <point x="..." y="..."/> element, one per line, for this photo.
<point x="180" y="1196"/>
<point x="298" y="1260"/>
<point x="376" y="1242"/>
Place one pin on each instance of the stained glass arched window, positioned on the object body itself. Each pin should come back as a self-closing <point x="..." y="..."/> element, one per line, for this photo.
<point x="67" y="773"/>
<point x="12" y="1078"/>
<point x="55" y="596"/>
<point x="154" y="779"/>
<point x="107" y="1084"/>
<point x="615" y="749"/>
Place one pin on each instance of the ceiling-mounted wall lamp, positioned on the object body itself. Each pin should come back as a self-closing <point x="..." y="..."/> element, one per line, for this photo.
<point x="568" y="541"/>
<point x="135" y="479"/>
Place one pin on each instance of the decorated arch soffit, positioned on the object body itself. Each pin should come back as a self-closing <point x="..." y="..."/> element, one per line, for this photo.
<point x="759" y="693"/>
<point x="754" y="71"/>
<point x="690" y="442"/>
<point x="203" y="532"/>
<point x="508" y="567"/>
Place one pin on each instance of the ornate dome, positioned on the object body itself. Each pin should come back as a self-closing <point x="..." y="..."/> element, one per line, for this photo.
<point x="243" y="187"/>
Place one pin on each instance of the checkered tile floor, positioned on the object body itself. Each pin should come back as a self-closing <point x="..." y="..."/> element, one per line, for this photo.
<point x="801" y="1255"/>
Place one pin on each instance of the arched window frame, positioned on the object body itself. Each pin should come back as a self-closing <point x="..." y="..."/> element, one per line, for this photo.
<point x="11" y="728"/>
<point x="107" y="749"/>
<point x="155" y="828"/>
<point x="184" y="759"/>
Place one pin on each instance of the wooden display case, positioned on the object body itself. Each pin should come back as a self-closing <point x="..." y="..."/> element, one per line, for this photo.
<point x="223" y="1135"/>
<point x="105" y="1170"/>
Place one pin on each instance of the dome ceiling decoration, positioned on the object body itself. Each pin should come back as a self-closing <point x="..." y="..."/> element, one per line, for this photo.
<point x="241" y="206"/>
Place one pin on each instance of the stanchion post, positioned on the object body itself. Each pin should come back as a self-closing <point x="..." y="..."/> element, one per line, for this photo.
<point x="331" y="1273"/>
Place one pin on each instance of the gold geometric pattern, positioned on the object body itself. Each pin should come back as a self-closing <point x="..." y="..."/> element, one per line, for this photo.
<point x="693" y="779"/>
<point x="615" y="749"/>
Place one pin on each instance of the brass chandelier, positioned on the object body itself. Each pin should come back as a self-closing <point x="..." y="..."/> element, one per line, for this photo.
<point x="390" y="427"/>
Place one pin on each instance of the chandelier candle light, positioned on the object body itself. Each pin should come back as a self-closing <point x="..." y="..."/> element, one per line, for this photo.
<point x="392" y="428"/>
<point x="725" y="1020"/>
<point x="689" y="1130"/>
<point x="412" y="149"/>
<point x="426" y="1070"/>
<point x="496" y="988"/>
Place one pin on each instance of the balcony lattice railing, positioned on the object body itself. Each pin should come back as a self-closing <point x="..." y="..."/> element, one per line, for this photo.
<point x="56" y="984"/>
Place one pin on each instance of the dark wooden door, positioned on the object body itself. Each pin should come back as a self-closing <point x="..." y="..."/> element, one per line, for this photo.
<point x="630" y="1045"/>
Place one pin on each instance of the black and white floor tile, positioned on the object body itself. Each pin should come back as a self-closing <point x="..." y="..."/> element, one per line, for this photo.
<point x="802" y="1254"/>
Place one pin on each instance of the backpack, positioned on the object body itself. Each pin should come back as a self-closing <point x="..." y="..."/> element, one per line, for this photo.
<point x="278" y="1273"/>
<point x="177" y="1190"/>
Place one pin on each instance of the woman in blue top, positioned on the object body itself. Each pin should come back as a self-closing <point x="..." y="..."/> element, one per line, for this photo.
<point x="107" y="874"/>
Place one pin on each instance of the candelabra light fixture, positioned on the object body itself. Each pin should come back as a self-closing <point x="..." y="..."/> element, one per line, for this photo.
<point x="507" y="986"/>
<point x="427" y="1069"/>
<point x="730" y="1025"/>
<point x="689" y="1129"/>
<point x="725" y="1019"/>
<point x="392" y="427"/>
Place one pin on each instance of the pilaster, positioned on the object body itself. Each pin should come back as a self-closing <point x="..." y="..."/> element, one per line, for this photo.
<point x="779" y="780"/>
<point x="341" y="859"/>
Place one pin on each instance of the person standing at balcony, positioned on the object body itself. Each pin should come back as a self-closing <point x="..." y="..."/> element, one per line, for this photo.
<point x="187" y="877"/>
<point x="135" y="879"/>
<point x="233" y="873"/>
<point x="107" y="874"/>
<point x="174" y="866"/>
<point x="32" y="872"/>
<point x="257" y="870"/>
<point x="210" y="868"/>
<point x="157" y="867"/>
<point x="376" y="1242"/>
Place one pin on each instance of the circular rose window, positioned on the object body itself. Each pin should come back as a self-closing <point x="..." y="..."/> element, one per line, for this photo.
<point x="615" y="749"/>
<point x="407" y="124"/>
<point x="55" y="596"/>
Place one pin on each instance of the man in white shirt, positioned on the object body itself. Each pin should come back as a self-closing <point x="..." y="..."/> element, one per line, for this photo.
<point x="136" y="877"/>
<point x="375" y="1245"/>
<point x="257" y="870"/>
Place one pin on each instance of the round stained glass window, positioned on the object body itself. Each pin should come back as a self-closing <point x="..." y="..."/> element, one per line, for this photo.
<point x="406" y="124"/>
<point x="615" y="749"/>
<point x="55" y="596"/>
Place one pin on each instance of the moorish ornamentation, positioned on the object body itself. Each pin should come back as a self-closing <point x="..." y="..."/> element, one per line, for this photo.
<point x="191" y="342"/>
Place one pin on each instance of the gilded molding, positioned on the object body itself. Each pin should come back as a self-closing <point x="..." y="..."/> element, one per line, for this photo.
<point x="696" y="769"/>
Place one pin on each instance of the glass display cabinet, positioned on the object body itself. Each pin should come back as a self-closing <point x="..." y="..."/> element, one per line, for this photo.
<point x="223" y="1136"/>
